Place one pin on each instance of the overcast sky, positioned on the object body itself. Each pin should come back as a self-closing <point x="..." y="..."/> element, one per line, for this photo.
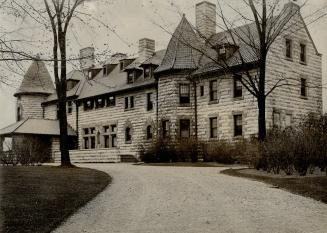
<point x="130" y="20"/>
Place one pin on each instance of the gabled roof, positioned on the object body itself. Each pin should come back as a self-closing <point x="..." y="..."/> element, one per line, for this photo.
<point x="182" y="51"/>
<point x="156" y="59"/>
<point x="35" y="127"/>
<point x="37" y="80"/>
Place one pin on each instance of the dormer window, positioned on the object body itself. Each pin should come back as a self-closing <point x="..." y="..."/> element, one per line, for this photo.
<point x="224" y="51"/>
<point x="130" y="77"/>
<point x="104" y="70"/>
<point x="121" y="65"/>
<point x="90" y="74"/>
<point x="147" y="72"/>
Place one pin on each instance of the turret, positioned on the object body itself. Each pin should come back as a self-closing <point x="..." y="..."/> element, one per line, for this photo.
<point x="34" y="89"/>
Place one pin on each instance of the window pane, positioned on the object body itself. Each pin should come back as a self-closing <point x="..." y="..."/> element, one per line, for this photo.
<point x="238" y="88"/>
<point x="213" y="90"/>
<point x="165" y="128"/>
<point x="184" y="92"/>
<point x="288" y="120"/>
<point x="132" y="101"/>
<point x="149" y="102"/>
<point x="149" y="132"/>
<point x="238" y="129"/>
<point x="303" y="53"/>
<point x="114" y="140"/>
<point x="288" y="48"/>
<point x="92" y="142"/>
<point x="106" y="141"/>
<point x="126" y="102"/>
<point x="213" y="127"/>
<point x="303" y="87"/>
<point x="184" y="128"/>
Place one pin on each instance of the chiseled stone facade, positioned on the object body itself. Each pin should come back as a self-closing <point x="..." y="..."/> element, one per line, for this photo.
<point x="105" y="133"/>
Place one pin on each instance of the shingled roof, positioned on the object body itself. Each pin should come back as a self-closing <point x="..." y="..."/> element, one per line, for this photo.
<point x="37" y="80"/>
<point x="182" y="51"/>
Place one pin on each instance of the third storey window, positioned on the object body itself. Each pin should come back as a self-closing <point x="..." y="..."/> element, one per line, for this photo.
<point x="213" y="90"/>
<point x="303" y="53"/>
<point x="238" y="88"/>
<point x="288" y="45"/>
<point x="184" y="93"/>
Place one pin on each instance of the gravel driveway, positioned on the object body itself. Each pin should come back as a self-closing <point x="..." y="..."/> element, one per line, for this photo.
<point x="145" y="199"/>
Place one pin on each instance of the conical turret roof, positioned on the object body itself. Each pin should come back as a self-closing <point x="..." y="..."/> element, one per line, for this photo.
<point x="37" y="80"/>
<point x="183" y="49"/>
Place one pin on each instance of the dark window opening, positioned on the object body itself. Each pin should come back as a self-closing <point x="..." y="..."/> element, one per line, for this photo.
<point x="99" y="103"/>
<point x="88" y="105"/>
<point x="128" y="135"/>
<point x="213" y="127"/>
<point x="238" y="88"/>
<point x="121" y="65"/>
<point x="147" y="72"/>
<point x="126" y="102"/>
<point x="149" y="102"/>
<point x="106" y="141"/>
<point x="238" y="125"/>
<point x="130" y="77"/>
<point x="132" y="101"/>
<point x="201" y="90"/>
<point x="184" y="93"/>
<point x="149" y="134"/>
<point x="185" y="128"/>
<point x="303" y="87"/>
<point x="111" y="101"/>
<point x="86" y="143"/>
<point x="165" y="128"/>
<point x="19" y="114"/>
<point x="213" y="90"/>
<point x="92" y="142"/>
<point x="303" y="53"/>
<point x="69" y="107"/>
<point x="288" y="48"/>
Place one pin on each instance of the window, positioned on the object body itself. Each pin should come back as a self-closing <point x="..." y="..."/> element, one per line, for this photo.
<point x="201" y="90"/>
<point x="69" y="107"/>
<point x="104" y="70"/>
<point x="121" y="65"/>
<point x="131" y="101"/>
<point x="88" y="105"/>
<point x="303" y="53"/>
<point x="165" y="128"/>
<point x="89" y="138"/>
<point x="184" y="128"/>
<point x="126" y="102"/>
<point x="288" y="120"/>
<point x="90" y="74"/>
<point x="303" y="87"/>
<point x="288" y="44"/>
<point x="238" y="125"/>
<point x="19" y="114"/>
<point x="147" y="72"/>
<point x="238" y="88"/>
<point x="99" y="103"/>
<point x="149" y="102"/>
<point x="184" y="93"/>
<point x="276" y="119"/>
<point x="222" y="53"/>
<point x="111" y="101"/>
<point x="149" y="133"/>
<point x="110" y="136"/>
<point x="213" y="127"/>
<point x="128" y="135"/>
<point x="57" y="111"/>
<point x="213" y="90"/>
<point x="130" y="77"/>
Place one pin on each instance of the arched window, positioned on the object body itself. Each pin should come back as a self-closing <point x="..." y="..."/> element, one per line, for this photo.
<point x="128" y="135"/>
<point x="149" y="133"/>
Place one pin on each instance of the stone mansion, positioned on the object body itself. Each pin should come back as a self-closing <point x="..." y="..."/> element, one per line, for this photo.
<point x="176" y="92"/>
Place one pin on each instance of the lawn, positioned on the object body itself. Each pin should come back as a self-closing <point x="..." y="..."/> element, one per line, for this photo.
<point x="313" y="187"/>
<point x="38" y="199"/>
<point x="188" y="164"/>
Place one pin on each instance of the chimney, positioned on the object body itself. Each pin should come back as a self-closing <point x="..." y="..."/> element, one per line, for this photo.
<point x="146" y="48"/>
<point x="205" y="13"/>
<point x="291" y="8"/>
<point x="87" y="58"/>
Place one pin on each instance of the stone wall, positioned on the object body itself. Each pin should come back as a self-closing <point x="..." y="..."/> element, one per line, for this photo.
<point x="91" y="156"/>
<point x="30" y="106"/>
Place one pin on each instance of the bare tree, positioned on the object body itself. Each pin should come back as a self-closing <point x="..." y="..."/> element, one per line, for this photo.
<point x="265" y="23"/>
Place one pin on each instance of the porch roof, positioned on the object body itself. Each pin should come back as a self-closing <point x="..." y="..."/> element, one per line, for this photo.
<point x="35" y="127"/>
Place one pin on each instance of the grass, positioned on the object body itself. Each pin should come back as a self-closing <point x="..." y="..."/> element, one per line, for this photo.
<point x="313" y="187"/>
<point x="38" y="199"/>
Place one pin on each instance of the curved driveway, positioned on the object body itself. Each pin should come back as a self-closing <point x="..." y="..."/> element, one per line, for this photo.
<point x="145" y="199"/>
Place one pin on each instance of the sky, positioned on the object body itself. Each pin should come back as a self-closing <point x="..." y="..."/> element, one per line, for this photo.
<point x="123" y="23"/>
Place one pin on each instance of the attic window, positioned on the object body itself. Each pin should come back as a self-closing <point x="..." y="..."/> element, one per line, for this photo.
<point x="222" y="53"/>
<point x="147" y="72"/>
<point x="121" y="65"/>
<point x="90" y="74"/>
<point x="130" y="77"/>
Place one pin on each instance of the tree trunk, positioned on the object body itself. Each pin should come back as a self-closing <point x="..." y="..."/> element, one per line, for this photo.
<point x="262" y="118"/>
<point x="64" y="140"/>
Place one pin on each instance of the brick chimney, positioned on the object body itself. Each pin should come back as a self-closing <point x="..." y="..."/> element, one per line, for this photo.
<point x="87" y="58"/>
<point x="146" y="48"/>
<point x="291" y="8"/>
<point x="205" y="17"/>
